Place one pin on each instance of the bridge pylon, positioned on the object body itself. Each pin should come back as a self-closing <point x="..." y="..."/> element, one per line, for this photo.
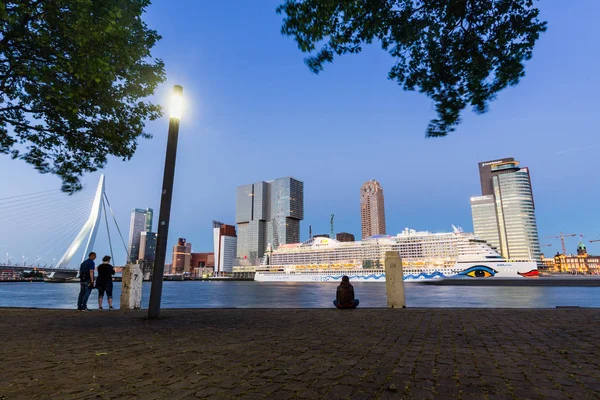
<point x="87" y="234"/>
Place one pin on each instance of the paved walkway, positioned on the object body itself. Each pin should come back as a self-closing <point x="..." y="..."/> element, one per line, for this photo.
<point x="310" y="354"/>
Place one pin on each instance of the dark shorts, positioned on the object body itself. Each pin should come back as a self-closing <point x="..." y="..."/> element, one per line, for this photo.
<point x="105" y="287"/>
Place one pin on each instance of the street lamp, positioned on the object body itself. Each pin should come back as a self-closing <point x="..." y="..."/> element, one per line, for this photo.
<point x="165" y="204"/>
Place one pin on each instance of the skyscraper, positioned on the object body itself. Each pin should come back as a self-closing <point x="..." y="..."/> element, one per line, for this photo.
<point x="505" y="214"/>
<point x="372" y="209"/>
<point x="485" y="174"/>
<point x="225" y="247"/>
<point x="147" y="250"/>
<point x="141" y="221"/>
<point x="485" y="223"/>
<point x="268" y="213"/>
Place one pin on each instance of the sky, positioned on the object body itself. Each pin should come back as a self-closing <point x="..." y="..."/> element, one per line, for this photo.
<point x="255" y="112"/>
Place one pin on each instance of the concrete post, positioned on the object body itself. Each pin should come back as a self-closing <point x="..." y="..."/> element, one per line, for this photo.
<point x="394" y="280"/>
<point x="131" y="287"/>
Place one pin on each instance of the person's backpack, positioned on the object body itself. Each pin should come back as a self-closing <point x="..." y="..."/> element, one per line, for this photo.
<point x="84" y="271"/>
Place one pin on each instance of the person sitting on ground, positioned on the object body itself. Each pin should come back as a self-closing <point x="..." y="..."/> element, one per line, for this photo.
<point x="345" y="295"/>
<point x="104" y="282"/>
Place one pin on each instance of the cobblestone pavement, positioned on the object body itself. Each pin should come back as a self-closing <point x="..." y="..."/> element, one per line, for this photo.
<point x="305" y="354"/>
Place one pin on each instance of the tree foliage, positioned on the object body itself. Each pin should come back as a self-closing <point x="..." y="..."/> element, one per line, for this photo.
<point x="458" y="52"/>
<point x="74" y="75"/>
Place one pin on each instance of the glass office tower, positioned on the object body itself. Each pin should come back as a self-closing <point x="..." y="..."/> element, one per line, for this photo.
<point x="268" y="213"/>
<point x="510" y="207"/>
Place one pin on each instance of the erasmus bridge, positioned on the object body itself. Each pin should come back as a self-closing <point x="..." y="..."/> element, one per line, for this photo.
<point x="53" y="232"/>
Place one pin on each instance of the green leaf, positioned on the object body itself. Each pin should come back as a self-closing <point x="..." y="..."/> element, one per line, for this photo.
<point x="457" y="52"/>
<point x="84" y="67"/>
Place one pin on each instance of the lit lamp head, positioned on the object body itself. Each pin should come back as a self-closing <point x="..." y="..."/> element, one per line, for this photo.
<point x="177" y="102"/>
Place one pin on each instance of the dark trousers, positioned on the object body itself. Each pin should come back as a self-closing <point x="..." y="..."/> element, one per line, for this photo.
<point x="354" y="305"/>
<point x="84" y="294"/>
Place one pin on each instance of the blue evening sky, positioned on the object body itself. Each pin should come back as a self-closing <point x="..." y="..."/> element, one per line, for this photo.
<point x="255" y="112"/>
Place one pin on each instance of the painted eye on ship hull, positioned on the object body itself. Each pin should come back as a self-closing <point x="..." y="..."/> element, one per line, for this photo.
<point x="479" y="271"/>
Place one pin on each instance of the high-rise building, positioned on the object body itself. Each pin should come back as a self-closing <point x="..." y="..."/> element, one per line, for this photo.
<point x="372" y="209"/>
<point x="225" y="247"/>
<point x="506" y="216"/>
<point x="485" y="223"/>
<point x="141" y="221"/>
<point x="344" y="237"/>
<point x="485" y="175"/>
<point x="147" y="250"/>
<point x="268" y="213"/>
<point x="182" y="257"/>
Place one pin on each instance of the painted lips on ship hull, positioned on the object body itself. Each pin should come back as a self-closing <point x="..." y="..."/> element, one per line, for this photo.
<point x="531" y="274"/>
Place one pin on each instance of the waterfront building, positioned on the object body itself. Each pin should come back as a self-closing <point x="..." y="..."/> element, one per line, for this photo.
<point x="225" y="247"/>
<point x="505" y="217"/>
<point x="10" y="274"/>
<point x="182" y="257"/>
<point x="141" y="221"/>
<point x="268" y="213"/>
<point x="580" y="264"/>
<point x="372" y="209"/>
<point x="147" y="250"/>
<point x="202" y="264"/>
<point x="344" y="237"/>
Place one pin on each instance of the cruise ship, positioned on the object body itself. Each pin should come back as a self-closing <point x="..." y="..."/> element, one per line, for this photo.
<point x="424" y="255"/>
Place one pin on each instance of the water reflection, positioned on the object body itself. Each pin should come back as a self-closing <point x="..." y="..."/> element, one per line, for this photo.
<point x="305" y="295"/>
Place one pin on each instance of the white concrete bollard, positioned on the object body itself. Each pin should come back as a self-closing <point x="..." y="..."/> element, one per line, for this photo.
<point x="394" y="280"/>
<point x="131" y="287"/>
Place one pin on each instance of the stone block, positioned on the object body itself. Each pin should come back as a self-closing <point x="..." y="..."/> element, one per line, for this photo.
<point x="131" y="287"/>
<point x="394" y="278"/>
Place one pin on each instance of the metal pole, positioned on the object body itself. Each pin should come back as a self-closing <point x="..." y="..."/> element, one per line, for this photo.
<point x="165" y="214"/>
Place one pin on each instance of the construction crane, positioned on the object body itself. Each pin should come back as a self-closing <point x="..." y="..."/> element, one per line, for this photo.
<point x="562" y="240"/>
<point x="596" y="240"/>
<point x="331" y="223"/>
<point x="545" y="245"/>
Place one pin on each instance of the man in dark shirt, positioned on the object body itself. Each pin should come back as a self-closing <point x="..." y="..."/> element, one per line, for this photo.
<point x="86" y="281"/>
<point x="345" y="295"/>
<point x="104" y="282"/>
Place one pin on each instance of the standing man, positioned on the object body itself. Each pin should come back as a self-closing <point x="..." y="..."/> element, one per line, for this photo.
<point x="86" y="281"/>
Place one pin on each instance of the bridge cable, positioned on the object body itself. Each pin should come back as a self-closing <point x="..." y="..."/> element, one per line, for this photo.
<point x="43" y="220"/>
<point x="63" y="240"/>
<point x="108" y="230"/>
<point x="27" y="217"/>
<point x="29" y="213"/>
<point x="30" y="194"/>
<point x="118" y="229"/>
<point x="68" y="230"/>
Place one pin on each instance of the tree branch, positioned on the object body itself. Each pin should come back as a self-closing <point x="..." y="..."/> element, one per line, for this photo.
<point x="26" y="126"/>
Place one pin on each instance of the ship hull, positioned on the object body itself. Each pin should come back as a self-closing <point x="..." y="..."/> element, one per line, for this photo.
<point x="475" y="270"/>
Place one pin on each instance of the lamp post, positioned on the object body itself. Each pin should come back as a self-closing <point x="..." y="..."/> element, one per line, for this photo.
<point x="165" y="204"/>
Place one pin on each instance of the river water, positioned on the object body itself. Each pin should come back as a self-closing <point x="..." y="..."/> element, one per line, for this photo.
<point x="248" y="294"/>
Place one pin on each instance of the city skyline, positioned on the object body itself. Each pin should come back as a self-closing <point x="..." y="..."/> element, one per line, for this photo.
<point x="275" y="118"/>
